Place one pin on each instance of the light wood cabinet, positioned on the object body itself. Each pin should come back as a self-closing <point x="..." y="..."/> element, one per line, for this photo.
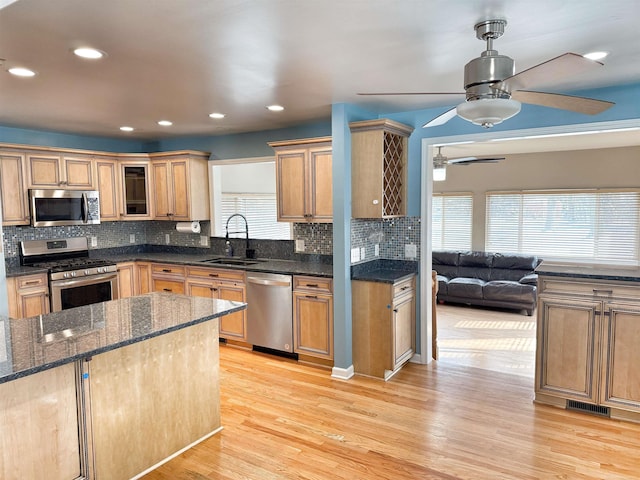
<point x="15" y="202"/>
<point x="587" y="338"/>
<point x="304" y="176"/>
<point x="60" y="170"/>
<point x="384" y="326"/>
<point x="127" y="280"/>
<point x="143" y="277"/>
<point x="107" y="173"/>
<point x="181" y="186"/>
<point x="379" y="168"/>
<point x="313" y="317"/>
<point x="167" y="278"/>
<point x="28" y="295"/>
<point x="135" y="187"/>
<point x="224" y="285"/>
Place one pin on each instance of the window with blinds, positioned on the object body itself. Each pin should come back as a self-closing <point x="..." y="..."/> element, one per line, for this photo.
<point x="566" y="225"/>
<point x="451" y="221"/>
<point x="260" y="212"/>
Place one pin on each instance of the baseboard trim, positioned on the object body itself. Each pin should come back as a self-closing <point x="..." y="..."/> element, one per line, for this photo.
<point x="342" y="373"/>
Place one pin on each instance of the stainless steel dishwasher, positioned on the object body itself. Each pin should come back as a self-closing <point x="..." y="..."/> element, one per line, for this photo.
<point x="270" y="311"/>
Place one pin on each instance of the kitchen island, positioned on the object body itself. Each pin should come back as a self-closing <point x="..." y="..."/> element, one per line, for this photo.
<point x="588" y="333"/>
<point x="111" y="389"/>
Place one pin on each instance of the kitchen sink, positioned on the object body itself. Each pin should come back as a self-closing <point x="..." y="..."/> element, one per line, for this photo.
<point x="232" y="261"/>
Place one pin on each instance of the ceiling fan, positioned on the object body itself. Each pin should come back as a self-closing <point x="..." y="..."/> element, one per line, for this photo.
<point x="494" y="92"/>
<point x="440" y="163"/>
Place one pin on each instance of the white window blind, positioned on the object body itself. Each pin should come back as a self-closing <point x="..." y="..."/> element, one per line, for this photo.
<point x="451" y="221"/>
<point x="260" y="212"/>
<point x="567" y="225"/>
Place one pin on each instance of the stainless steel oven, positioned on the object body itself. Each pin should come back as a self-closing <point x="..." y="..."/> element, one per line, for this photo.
<point x="75" y="279"/>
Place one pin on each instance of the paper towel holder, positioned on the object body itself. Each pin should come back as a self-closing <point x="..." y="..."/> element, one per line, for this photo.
<point x="188" y="227"/>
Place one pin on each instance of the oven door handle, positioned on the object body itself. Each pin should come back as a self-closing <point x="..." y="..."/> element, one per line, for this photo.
<point x="77" y="280"/>
<point x="85" y="208"/>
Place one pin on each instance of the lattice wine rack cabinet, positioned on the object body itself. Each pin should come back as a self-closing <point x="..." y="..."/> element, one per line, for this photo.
<point x="379" y="168"/>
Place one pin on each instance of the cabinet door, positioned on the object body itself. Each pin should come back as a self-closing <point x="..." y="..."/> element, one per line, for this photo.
<point x="126" y="280"/>
<point x="620" y="385"/>
<point x="321" y="184"/>
<point x="313" y="325"/>
<point x="44" y="171"/>
<point x="233" y="325"/>
<point x="78" y="172"/>
<point x="107" y="173"/>
<point x="290" y="186"/>
<point x="143" y="277"/>
<point x="135" y="191"/>
<point x="403" y="326"/>
<point x="34" y="302"/>
<point x="568" y="346"/>
<point x="202" y="288"/>
<point x="179" y="190"/>
<point x="161" y="199"/>
<point x="15" y="207"/>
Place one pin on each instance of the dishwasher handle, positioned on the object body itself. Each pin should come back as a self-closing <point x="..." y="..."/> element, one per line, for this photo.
<point x="268" y="282"/>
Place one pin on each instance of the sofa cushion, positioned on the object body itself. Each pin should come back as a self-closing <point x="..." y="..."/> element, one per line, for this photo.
<point x="530" y="279"/>
<point x="508" y="291"/>
<point x="476" y="259"/>
<point x="465" y="287"/>
<point x="506" y="274"/>
<point x="448" y="258"/>
<point x="442" y="284"/>
<point x="514" y="261"/>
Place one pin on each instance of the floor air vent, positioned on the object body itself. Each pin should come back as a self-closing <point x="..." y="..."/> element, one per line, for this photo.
<point x="588" y="408"/>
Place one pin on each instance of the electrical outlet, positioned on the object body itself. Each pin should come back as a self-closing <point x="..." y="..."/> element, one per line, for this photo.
<point x="167" y="238"/>
<point x="363" y="252"/>
<point x="376" y="250"/>
<point x="132" y="238"/>
<point x="410" y="251"/>
<point x="94" y="241"/>
<point x="355" y="255"/>
<point x="204" y="240"/>
<point x="300" y="245"/>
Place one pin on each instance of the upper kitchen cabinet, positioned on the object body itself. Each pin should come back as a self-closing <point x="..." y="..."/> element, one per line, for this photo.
<point x="379" y="168"/>
<point x="304" y="180"/>
<point x="107" y="175"/>
<point x="15" y="206"/>
<point x="50" y="169"/>
<point x="181" y="185"/>
<point x="135" y="187"/>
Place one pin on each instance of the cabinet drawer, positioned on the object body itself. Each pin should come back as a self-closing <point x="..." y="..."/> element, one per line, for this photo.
<point x="172" y="286"/>
<point x="314" y="284"/>
<point x="166" y="269"/>
<point x="216" y="273"/>
<point x="586" y="288"/>
<point x="403" y="287"/>
<point x="31" y="281"/>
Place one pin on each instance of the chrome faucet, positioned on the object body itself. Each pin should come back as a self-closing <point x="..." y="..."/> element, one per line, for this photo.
<point x="249" y="253"/>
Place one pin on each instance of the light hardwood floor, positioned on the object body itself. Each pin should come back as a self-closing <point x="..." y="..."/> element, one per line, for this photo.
<point x="491" y="339"/>
<point x="284" y="420"/>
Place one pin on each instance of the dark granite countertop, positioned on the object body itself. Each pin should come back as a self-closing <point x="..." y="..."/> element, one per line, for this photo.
<point x="19" y="270"/>
<point x="598" y="272"/>
<point x="385" y="271"/>
<point x="39" y="343"/>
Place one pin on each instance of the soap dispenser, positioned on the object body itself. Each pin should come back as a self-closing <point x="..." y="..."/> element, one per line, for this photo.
<point x="228" y="249"/>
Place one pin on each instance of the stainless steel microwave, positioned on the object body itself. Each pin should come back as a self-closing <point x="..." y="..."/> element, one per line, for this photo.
<point x="64" y="207"/>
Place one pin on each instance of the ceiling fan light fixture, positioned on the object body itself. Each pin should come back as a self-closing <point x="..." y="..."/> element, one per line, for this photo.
<point x="439" y="173"/>
<point x="488" y="111"/>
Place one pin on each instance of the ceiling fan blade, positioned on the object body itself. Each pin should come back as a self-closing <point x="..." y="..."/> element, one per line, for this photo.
<point x="441" y="119"/>
<point x="468" y="160"/>
<point x="558" y="67"/>
<point x="409" y="93"/>
<point x="589" y="106"/>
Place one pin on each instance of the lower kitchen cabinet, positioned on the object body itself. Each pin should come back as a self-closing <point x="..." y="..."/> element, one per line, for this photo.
<point x="126" y="280"/>
<point x="224" y="285"/>
<point x="28" y="295"/>
<point x="313" y="318"/>
<point x="167" y="278"/>
<point x="384" y="326"/>
<point x="587" y="344"/>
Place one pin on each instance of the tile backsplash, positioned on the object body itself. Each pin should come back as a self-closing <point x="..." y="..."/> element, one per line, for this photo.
<point x="390" y="235"/>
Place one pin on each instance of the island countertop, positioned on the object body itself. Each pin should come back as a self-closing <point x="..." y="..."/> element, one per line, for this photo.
<point x="43" y="342"/>
<point x="602" y="272"/>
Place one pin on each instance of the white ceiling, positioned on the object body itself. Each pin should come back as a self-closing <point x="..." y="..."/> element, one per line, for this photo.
<point x="183" y="59"/>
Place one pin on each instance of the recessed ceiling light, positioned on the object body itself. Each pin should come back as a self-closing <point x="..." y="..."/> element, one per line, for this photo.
<point x="21" y="72"/>
<point x="275" y="108"/>
<point x="165" y="123"/>
<point x="216" y="115"/>
<point x="88" y="52"/>
<point x="596" y="55"/>
<point x="126" y="129"/>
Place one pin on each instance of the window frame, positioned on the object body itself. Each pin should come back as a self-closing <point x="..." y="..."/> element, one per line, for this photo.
<point x="442" y="243"/>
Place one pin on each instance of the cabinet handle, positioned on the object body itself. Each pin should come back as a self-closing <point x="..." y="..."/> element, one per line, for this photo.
<point x="32" y="282"/>
<point x="214" y="275"/>
<point x="395" y="310"/>
<point x="167" y="290"/>
<point x="603" y="292"/>
<point x="213" y="289"/>
<point x="311" y="296"/>
<point x="312" y="285"/>
<point x="404" y="288"/>
<point x="166" y="270"/>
